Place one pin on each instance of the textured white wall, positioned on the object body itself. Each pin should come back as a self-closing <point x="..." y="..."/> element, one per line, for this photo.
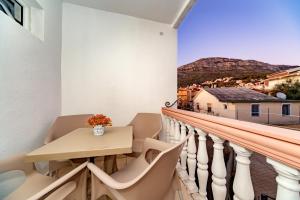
<point x="116" y="64"/>
<point x="30" y="89"/>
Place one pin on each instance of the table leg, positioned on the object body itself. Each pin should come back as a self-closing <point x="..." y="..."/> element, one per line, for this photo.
<point x="92" y="160"/>
<point x="110" y="164"/>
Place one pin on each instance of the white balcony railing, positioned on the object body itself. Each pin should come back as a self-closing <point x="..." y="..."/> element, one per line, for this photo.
<point x="281" y="147"/>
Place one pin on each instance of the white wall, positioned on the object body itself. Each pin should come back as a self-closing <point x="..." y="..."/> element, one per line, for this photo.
<point x="204" y="97"/>
<point x="269" y="112"/>
<point x="30" y="94"/>
<point x="116" y="64"/>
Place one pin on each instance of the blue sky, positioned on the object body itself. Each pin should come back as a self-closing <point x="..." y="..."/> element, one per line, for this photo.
<point x="264" y="30"/>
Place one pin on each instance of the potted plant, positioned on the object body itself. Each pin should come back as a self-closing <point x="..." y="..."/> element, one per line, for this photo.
<point x="98" y="122"/>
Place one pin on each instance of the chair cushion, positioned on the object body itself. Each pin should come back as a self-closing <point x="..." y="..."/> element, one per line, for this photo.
<point x="34" y="183"/>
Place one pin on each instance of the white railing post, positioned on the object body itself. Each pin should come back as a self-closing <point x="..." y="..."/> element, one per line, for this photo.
<point x="177" y="132"/>
<point x="202" y="165"/>
<point x="242" y="184"/>
<point x="172" y="130"/>
<point x="183" y="156"/>
<point x="166" y="135"/>
<point x="182" y="131"/>
<point x="191" y="184"/>
<point x="288" y="186"/>
<point x="178" y="139"/>
<point x="167" y="121"/>
<point x="218" y="169"/>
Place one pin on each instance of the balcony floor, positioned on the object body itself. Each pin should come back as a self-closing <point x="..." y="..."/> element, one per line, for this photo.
<point x="263" y="176"/>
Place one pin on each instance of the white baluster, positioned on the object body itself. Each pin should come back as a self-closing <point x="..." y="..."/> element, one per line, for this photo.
<point x="172" y="130"/>
<point x="165" y="133"/>
<point x="177" y="126"/>
<point x="218" y="170"/>
<point x="288" y="186"/>
<point x="183" y="156"/>
<point x="168" y="127"/>
<point x="242" y="184"/>
<point x="167" y="120"/>
<point x="191" y="184"/>
<point x="182" y="131"/>
<point x="177" y="132"/>
<point x="202" y="158"/>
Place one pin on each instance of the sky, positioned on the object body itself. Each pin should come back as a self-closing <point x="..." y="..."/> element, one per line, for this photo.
<point x="263" y="30"/>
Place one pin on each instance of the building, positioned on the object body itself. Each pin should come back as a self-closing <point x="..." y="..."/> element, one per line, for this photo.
<point x="185" y="96"/>
<point x="247" y="105"/>
<point x="281" y="77"/>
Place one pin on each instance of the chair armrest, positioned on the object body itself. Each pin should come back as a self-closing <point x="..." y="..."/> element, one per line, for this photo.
<point x="156" y="134"/>
<point x="105" y="178"/>
<point x="150" y="143"/>
<point x="63" y="191"/>
<point x="108" y="180"/>
<point x="58" y="182"/>
<point x="15" y="163"/>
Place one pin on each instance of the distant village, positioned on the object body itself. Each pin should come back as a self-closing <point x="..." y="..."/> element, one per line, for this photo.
<point x="248" y="99"/>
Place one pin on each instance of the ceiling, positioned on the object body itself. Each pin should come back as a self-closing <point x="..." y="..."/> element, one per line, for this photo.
<point x="164" y="11"/>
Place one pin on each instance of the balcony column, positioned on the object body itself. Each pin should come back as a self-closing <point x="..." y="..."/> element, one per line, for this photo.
<point x="202" y="158"/>
<point x="288" y="178"/>
<point x="177" y="132"/>
<point x="242" y="184"/>
<point x="218" y="169"/>
<point x="191" y="184"/>
<point x="183" y="156"/>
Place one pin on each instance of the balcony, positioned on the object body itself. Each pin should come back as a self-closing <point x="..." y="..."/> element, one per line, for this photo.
<point x="198" y="163"/>
<point x="119" y="58"/>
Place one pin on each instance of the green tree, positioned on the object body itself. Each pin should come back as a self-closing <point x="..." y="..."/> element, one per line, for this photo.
<point x="290" y="88"/>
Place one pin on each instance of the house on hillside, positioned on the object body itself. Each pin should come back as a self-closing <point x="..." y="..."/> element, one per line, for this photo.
<point x="281" y="77"/>
<point x="247" y="105"/>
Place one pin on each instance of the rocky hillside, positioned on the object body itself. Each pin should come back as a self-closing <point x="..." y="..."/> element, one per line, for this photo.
<point x="216" y="67"/>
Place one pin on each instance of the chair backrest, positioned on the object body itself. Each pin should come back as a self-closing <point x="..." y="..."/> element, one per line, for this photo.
<point x="157" y="180"/>
<point x="66" y="124"/>
<point x="146" y="125"/>
<point x="16" y="162"/>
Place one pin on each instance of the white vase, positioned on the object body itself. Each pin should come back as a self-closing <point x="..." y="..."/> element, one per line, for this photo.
<point x="98" y="130"/>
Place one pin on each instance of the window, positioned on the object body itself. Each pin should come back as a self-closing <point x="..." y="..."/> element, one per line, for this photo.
<point x="209" y="109"/>
<point x="13" y="9"/>
<point x="255" y="110"/>
<point x="286" y="109"/>
<point x="225" y="106"/>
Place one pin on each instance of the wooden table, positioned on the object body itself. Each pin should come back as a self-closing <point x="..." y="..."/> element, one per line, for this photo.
<point x="81" y="143"/>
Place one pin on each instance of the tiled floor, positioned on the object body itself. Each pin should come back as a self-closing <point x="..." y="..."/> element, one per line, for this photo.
<point x="263" y="176"/>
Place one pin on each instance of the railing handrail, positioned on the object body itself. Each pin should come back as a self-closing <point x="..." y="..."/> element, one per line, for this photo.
<point x="277" y="143"/>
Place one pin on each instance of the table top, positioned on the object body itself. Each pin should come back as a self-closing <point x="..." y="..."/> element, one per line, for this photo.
<point x="81" y="143"/>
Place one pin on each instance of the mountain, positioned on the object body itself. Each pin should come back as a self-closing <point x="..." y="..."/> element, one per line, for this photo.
<point x="212" y="68"/>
